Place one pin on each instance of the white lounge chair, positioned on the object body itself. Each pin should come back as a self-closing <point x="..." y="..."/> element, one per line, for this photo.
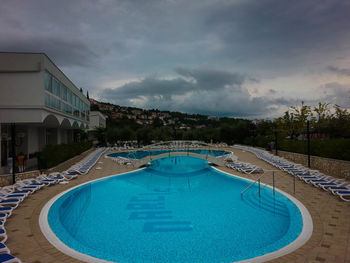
<point x="30" y="184"/>
<point x="10" y="189"/>
<point x="6" y="209"/>
<point x="8" y="258"/>
<point x="69" y="176"/>
<point x="344" y="195"/>
<point x="5" y="195"/>
<point x="9" y="202"/>
<point x="4" y="249"/>
<point x="335" y="189"/>
<point x="334" y="182"/>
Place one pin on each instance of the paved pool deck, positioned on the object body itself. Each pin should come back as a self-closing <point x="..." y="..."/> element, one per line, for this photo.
<point x="330" y="241"/>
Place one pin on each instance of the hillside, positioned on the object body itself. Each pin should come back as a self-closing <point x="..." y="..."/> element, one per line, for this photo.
<point x="157" y="118"/>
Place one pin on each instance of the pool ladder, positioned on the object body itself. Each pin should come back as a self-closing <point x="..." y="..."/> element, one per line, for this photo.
<point x="258" y="181"/>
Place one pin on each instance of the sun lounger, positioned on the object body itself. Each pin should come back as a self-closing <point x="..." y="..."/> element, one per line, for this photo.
<point x="335" y="189"/>
<point x="334" y="182"/>
<point x="8" y="258"/>
<point x="3" y="234"/>
<point x="27" y="184"/>
<point x="307" y="179"/>
<point x="43" y="179"/>
<point x="344" y="195"/>
<point x="9" y="202"/>
<point x="6" y="209"/>
<point x="4" y="249"/>
<point x="327" y="179"/>
<point x="12" y="190"/>
<point x="88" y="162"/>
<point x="3" y="216"/>
<point x="6" y="195"/>
<point x="20" y="186"/>
<point x="69" y="176"/>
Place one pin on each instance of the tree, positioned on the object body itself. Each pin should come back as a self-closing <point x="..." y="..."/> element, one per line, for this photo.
<point x="99" y="134"/>
<point x="340" y="123"/>
<point x="87" y="95"/>
<point x="301" y="114"/>
<point x="323" y="116"/>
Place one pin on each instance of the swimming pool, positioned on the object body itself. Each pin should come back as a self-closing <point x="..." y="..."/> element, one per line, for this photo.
<point x="142" y="154"/>
<point x="177" y="210"/>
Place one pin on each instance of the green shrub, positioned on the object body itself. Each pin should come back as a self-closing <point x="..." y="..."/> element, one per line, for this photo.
<point x="53" y="155"/>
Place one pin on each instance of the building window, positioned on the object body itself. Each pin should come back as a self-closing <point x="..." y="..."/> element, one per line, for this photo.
<point x="76" y="113"/>
<point x="64" y="92"/>
<point x="48" y="80"/>
<point x="69" y="96"/>
<point x="52" y="102"/>
<point x="47" y="100"/>
<point x="67" y="108"/>
<point x="55" y="103"/>
<point x="60" y="97"/>
<point x="55" y="87"/>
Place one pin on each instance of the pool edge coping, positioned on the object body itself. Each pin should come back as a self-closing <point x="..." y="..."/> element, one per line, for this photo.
<point x="54" y="240"/>
<point x="304" y="236"/>
<point x="301" y="240"/>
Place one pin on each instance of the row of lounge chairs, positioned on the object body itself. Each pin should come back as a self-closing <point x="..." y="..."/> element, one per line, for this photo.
<point x="230" y="157"/>
<point x="336" y="186"/>
<point x="123" y="160"/>
<point x="11" y="196"/>
<point x="84" y="166"/>
<point x="123" y="148"/>
<point x="246" y="168"/>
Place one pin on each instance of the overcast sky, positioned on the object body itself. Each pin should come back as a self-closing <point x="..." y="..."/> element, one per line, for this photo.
<point x="239" y="58"/>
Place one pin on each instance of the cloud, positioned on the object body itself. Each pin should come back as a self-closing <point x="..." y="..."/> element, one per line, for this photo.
<point x="208" y="79"/>
<point x="280" y="34"/>
<point x="283" y="45"/>
<point x="216" y="92"/>
<point x="339" y="71"/>
<point x="64" y="52"/>
<point x="336" y="93"/>
<point x="205" y="91"/>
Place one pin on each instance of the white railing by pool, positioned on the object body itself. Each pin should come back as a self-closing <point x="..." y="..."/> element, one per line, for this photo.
<point x="258" y="180"/>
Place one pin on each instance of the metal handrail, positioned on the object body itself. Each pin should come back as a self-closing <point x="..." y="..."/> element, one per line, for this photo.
<point x="252" y="185"/>
<point x="273" y="181"/>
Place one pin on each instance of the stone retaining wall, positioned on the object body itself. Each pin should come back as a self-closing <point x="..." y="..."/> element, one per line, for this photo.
<point x="6" y="179"/>
<point x="333" y="167"/>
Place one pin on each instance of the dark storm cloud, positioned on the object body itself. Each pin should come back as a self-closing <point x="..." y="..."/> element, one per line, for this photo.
<point x="149" y="87"/>
<point x="339" y="71"/>
<point x="207" y="79"/>
<point x="105" y="41"/>
<point x="64" y="52"/>
<point x="276" y="30"/>
<point x="206" y="91"/>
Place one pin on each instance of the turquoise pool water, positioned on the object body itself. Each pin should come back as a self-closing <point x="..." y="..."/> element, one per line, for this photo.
<point x="142" y="154"/>
<point x="177" y="210"/>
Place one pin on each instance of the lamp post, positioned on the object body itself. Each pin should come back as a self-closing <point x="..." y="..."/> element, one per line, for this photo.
<point x="275" y="132"/>
<point x="308" y="141"/>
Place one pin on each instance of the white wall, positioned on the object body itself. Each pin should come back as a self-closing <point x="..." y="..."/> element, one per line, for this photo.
<point x="96" y="120"/>
<point x="22" y="89"/>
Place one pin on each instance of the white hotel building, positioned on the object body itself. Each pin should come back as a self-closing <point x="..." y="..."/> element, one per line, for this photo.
<point x="45" y="106"/>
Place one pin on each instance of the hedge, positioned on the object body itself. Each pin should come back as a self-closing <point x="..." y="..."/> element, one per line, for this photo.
<point x="53" y="155"/>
